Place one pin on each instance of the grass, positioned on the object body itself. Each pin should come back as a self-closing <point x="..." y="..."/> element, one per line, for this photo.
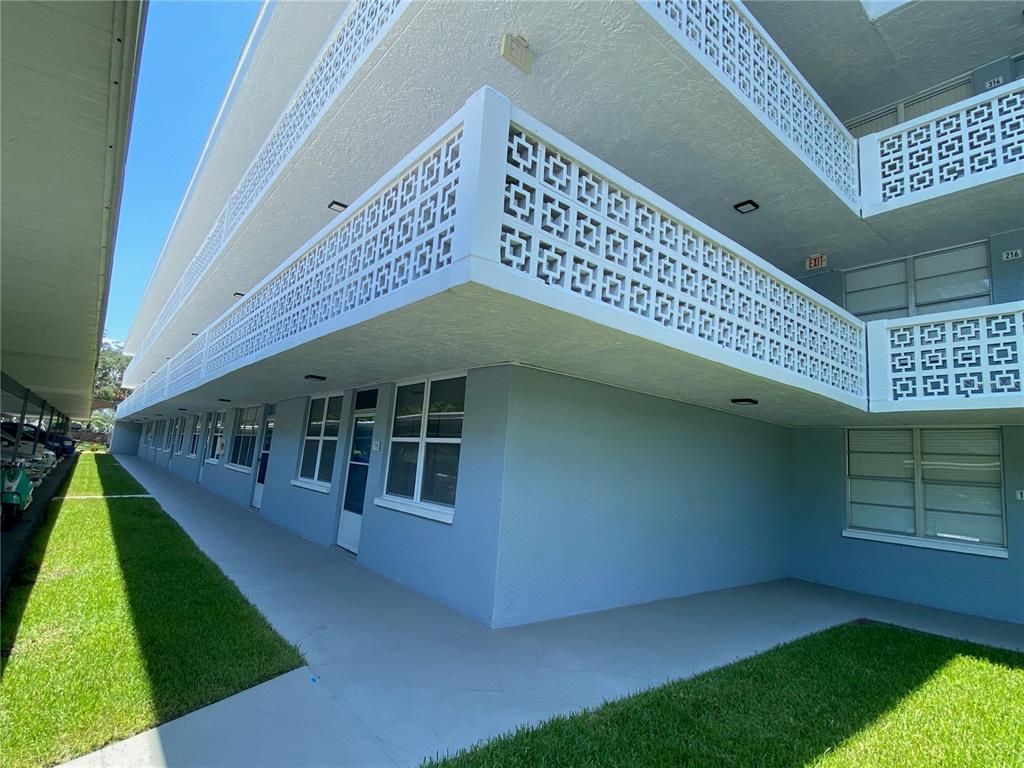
<point x="865" y="695"/>
<point x="116" y="622"/>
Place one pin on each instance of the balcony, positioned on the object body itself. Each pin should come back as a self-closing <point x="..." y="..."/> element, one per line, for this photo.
<point x="969" y="359"/>
<point x="500" y="240"/>
<point x="712" y="113"/>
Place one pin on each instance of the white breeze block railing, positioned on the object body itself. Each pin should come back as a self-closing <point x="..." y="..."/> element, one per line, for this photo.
<point x="972" y="142"/>
<point x="970" y="358"/>
<point x="357" y="34"/>
<point x="568" y="225"/>
<point x="496" y="185"/>
<point x="725" y="37"/>
<point x="397" y="233"/>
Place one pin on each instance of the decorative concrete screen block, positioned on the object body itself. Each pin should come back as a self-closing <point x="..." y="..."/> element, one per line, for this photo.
<point x="958" y="357"/>
<point x="354" y="37"/>
<point x="186" y="368"/>
<point x="570" y="228"/>
<point x="981" y="137"/>
<point x="734" y="44"/>
<point x="399" y="236"/>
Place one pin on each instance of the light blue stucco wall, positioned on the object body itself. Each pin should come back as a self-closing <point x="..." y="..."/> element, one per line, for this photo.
<point x="974" y="584"/>
<point x="126" y="438"/>
<point x="234" y="485"/>
<point x="613" y="498"/>
<point x="453" y="563"/>
<point x="309" y="513"/>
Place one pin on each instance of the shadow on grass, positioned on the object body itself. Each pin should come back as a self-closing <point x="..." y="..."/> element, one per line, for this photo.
<point x="785" y="708"/>
<point x="200" y="639"/>
<point x="23" y="580"/>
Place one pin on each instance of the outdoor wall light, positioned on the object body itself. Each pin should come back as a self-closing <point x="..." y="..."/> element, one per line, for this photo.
<point x="743" y="401"/>
<point x="747" y="206"/>
<point x="223" y="400"/>
<point x="337" y="205"/>
<point x="314" y="377"/>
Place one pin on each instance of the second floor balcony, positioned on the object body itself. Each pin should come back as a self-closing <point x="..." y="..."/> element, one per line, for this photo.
<point x="499" y="240"/>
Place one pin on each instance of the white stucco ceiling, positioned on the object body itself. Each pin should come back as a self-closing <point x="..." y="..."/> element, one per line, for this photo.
<point x="858" y="64"/>
<point x="472" y="325"/>
<point x="67" y="87"/>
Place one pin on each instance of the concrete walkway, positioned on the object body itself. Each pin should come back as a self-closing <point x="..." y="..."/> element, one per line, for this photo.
<point x="394" y="677"/>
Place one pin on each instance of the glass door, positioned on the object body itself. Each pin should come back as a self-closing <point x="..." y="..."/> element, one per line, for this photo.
<point x="261" y="467"/>
<point x="363" y="419"/>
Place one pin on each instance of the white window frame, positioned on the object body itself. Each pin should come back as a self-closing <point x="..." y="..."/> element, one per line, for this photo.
<point x="217" y="431"/>
<point x="166" y="435"/>
<point x="415" y="506"/>
<point x="237" y="422"/>
<point x="313" y="483"/>
<point x="910" y="275"/>
<point x="918" y="539"/>
<point x="195" y="436"/>
<point x="179" y="434"/>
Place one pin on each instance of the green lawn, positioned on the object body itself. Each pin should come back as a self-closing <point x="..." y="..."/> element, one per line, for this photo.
<point x="117" y="622"/>
<point x="865" y="695"/>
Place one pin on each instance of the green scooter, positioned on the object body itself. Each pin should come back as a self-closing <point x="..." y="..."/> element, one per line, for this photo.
<point x="17" y="491"/>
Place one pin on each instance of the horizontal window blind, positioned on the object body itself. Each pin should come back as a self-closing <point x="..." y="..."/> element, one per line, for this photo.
<point x="933" y="483"/>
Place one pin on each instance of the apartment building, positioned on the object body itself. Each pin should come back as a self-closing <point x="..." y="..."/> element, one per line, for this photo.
<point x="546" y="308"/>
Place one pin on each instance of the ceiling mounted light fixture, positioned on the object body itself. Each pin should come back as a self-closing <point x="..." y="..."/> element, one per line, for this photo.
<point x="747" y="206"/>
<point x="743" y="401"/>
<point x="238" y="295"/>
<point x="183" y="409"/>
<point x="223" y="400"/>
<point x="337" y="206"/>
<point x="315" y="377"/>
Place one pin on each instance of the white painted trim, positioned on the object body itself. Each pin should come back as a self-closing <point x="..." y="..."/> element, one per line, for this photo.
<point x="311" y="485"/>
<point x="914" y="541"/>
<point x="238" y="468"/>
<point x="429" y="511"/>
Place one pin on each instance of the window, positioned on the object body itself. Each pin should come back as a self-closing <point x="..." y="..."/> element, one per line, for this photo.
<point x="940" y="485"/>
<point x="956" y="278"/>
<point x="320" y="445"/>
<point x="179" y="431"/>
<point x="426" y="439"/>
<point x="168" y="432"/>
<point x="197" y="433"/>
<point x="243" y="446"/>
<point x="216" y="447"/>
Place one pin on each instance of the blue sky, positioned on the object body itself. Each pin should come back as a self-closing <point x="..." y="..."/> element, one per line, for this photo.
<point x="188" y="54"/>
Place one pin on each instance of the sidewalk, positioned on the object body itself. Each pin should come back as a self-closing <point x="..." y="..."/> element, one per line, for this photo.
<point x="394" y="677"/>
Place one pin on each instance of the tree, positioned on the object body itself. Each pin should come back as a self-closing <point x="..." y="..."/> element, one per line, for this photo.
<point x="103" y="420"/>
<point x="109" y="371"/>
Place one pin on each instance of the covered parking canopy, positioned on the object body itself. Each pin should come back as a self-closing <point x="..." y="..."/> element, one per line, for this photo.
<point x="68" y="82"/>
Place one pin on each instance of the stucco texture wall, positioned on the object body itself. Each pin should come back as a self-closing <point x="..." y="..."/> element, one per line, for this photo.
<point x="966" y="583"/>
<point x="455" y="564"/>
<point x="612" y="498"/>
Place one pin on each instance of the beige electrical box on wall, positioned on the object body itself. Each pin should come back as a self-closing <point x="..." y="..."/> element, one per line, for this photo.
<point x="515" y="49"/>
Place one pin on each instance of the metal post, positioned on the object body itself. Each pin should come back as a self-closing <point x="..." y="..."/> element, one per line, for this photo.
<point x="39" y="426"/>
<point x="21" y="422"/>
<point x="49" y="422"/>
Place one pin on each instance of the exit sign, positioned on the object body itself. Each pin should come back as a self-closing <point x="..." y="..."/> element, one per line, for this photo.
<point x="1013" y="254"/>
<point x="817" y="261"/>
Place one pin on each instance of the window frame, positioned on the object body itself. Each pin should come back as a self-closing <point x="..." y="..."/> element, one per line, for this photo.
<point x="179" y="434"/>
<point x="166" y="436"/>
<point x="196" y="435"/>
<point x="912" y="306"/>
<point x="236" y="424"/>
<point x="219" y="421"/>
<point x="314" y="483"/>
<point x="415" y="505"/>
<point x="918" y="538"/>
